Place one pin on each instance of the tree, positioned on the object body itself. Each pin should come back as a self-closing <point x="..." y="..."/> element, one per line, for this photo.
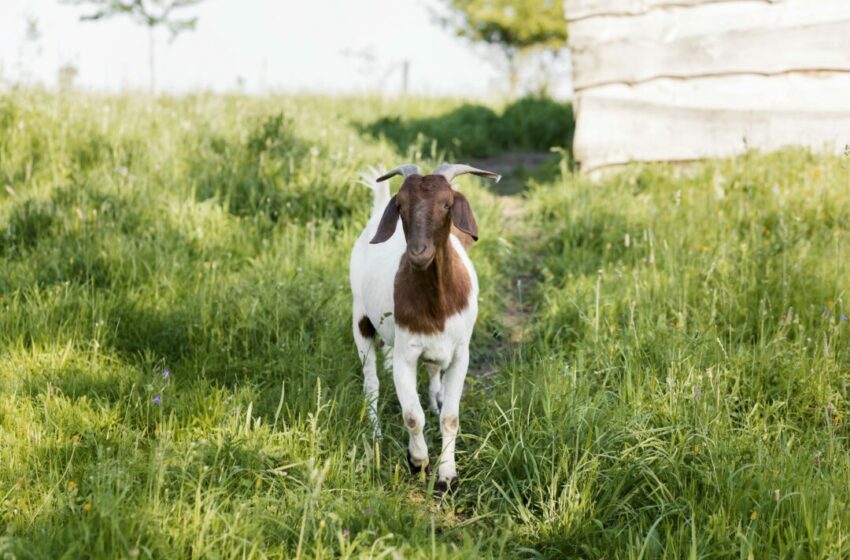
<point x="30" y="49"/>
<point x="150" y="13"/>
<point x="516" y="27"/>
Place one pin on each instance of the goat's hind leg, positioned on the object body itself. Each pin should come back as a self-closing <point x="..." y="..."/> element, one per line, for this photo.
<point x="365" y="338"/>
<point x="435" y="396"/>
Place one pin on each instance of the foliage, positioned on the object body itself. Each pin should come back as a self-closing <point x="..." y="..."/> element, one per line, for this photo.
<point x="150" y="13"/>
<point x="515" y="28"/>
<point x="510" y="24"/>
<point x="177" y="378"/>
<point x="538" y="123"/>
<point x="531" y="123"/>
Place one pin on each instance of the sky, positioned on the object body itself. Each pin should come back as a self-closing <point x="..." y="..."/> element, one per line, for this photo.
<point x="257" y="46"/>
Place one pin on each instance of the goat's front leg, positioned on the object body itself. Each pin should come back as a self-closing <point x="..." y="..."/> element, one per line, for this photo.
<point x="452" y="389"/>
<point x="404" y="376"/>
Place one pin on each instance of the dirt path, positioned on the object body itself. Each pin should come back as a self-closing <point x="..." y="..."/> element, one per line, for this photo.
<point x="516" y="308"/>
<point x="515" y="168"/>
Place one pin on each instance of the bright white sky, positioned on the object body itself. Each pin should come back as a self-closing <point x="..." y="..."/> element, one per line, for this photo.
<point x="277" y="45"/>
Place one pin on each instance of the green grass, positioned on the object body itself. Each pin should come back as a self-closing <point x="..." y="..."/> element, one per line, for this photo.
<point x="681" y="390"/>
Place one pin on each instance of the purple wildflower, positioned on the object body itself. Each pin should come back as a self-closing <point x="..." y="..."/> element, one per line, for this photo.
<point x="156" y="400"/>
<point x="166" y="373"/>
<point x="345" y="532"/>
<point x="843" y="318"/>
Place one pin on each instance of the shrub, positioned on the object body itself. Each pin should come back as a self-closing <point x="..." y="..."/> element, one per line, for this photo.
<point x="538" y="123"/>
<point x="531" y="123"/>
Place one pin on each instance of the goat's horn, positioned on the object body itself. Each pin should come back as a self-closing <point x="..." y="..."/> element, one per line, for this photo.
<point x="405" y="170"/>
<point x="452" y="170"/>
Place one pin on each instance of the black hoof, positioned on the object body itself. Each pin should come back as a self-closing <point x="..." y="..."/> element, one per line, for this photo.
<point x="416" y="470"/>
<point x="446" y="486"/>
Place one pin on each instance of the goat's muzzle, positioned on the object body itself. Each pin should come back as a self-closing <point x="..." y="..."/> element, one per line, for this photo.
<point x="421" y="254"/>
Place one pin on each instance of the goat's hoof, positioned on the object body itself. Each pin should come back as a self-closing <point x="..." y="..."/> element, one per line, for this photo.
<point x="416" y="470"/>
<point x="449" y="486"/>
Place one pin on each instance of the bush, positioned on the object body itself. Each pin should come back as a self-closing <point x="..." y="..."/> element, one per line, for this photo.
<point x="531" y="123"/>
<point x="538" y="123"/>
<point x="471" y="130"/>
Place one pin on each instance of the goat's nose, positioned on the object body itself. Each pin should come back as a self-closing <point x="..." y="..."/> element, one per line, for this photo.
<point x="418" y="249"/>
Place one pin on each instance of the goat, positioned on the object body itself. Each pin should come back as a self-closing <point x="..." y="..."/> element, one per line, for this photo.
<point x="415" y="290"/>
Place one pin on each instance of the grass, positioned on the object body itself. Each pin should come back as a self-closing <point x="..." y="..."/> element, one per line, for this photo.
<point x="680" y="389"/>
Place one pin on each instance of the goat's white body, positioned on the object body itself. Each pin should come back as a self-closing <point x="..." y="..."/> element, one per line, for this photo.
<point x="372" y="274"/>
<point x="373" y="270"/>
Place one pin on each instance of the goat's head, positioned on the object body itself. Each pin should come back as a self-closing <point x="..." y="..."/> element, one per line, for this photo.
<point x="428" y="206"/>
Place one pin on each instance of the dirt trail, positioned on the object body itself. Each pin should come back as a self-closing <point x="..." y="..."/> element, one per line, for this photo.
<point x="514" y="167"/>
<point x="516" y="309"/>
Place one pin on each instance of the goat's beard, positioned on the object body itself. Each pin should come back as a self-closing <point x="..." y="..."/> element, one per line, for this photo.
<point x="419" y="264"/>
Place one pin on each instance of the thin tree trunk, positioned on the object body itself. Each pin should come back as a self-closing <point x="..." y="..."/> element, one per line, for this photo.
<point x="405" y="75"/>
<point x="151" y="66"/>
<point x="513" y="73"/>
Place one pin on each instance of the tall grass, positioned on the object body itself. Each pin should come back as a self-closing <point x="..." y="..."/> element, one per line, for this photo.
<point x="177" y="377"/>
<point x="685" y="388"/>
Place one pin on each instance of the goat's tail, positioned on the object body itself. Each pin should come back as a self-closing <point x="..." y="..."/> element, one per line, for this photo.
<point x="380" y="191"/>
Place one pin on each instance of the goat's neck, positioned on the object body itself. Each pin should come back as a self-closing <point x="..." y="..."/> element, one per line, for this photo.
<point x="442" y="272"/>
<point x="424" y="299"/>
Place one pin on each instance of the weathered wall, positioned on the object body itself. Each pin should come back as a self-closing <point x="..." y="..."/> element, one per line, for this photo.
<point x="688" y="79"/>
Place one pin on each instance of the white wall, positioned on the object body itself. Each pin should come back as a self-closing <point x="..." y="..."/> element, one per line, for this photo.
<point x="691" y="79"/>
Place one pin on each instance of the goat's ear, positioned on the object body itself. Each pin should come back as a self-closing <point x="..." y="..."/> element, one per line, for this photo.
<point x="462" y="216"/>
<point x="386" y="228"/>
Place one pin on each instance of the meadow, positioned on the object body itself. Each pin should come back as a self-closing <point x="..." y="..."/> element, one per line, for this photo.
<point x="660" y="367"/>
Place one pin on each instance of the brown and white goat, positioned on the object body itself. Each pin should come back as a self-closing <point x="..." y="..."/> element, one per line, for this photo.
<point x="416" y="291"/>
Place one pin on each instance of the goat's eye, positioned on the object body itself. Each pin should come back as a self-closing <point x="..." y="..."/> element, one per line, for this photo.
<point x="447" y="206"/>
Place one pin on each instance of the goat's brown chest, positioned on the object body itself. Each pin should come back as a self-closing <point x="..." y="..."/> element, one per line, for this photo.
<point x="425" y="299"/>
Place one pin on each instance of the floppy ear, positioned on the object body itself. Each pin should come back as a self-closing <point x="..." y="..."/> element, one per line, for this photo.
<point x="462" y="216"/>
<point x="386" y="228"/>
